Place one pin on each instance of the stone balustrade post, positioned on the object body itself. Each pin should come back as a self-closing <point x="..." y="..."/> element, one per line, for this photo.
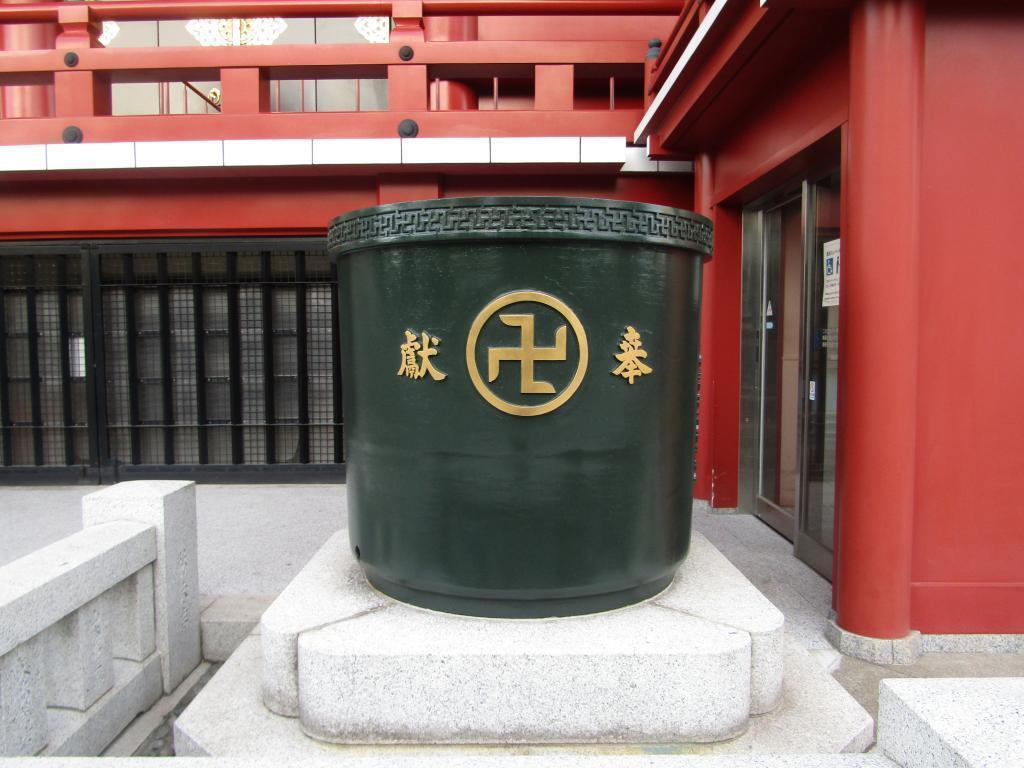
<point x="80" y="656"/>
<point x="23" y="699"/>
<point x="133" y="615"/>
<point x="170" y="507"/>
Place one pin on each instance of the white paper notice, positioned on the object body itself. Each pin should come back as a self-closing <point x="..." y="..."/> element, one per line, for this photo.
<point x="830" y="293"/>
<point x="76" y="357"/>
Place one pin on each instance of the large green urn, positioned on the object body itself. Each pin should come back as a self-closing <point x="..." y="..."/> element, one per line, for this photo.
<point x="520" y="385"/>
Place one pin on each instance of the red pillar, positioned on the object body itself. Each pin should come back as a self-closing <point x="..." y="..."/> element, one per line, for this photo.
<point x="879" y="320"/>
<point x="79" y="93"/>
<point x="553" y="86"/>
<point x="702" y="196"/>
<point x="246" y="91"/>
<point x="451" y="95"/>
<point x="718" y="415"/>
<point x="27" y="100"/>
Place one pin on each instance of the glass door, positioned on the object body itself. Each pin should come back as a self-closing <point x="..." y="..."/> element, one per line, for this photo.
<point x="816" y="521"/>
<point x="790" y="366"/>
<point x="781" y="310"/>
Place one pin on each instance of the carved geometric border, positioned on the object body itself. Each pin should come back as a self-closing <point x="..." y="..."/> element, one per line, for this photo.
<point x="455" y="217"/>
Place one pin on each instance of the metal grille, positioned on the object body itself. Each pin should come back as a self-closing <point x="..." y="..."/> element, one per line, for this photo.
<point x="43" y="406"/>
<point x="210" y="351"/>
<point x="203" y="355"/>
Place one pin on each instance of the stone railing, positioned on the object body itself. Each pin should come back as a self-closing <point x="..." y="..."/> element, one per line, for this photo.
<point x="96" y="627"/>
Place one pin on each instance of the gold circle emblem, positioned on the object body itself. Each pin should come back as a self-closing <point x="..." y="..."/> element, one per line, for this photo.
<point x="527" y="353"/>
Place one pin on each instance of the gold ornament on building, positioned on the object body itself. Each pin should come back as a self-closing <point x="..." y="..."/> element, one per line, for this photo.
<point x="220" y="32"/>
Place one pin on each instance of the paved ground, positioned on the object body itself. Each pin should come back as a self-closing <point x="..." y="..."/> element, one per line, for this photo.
<point x="254" y="538"/>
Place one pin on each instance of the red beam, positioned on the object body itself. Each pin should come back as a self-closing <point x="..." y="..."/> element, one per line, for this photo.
<point x="551" y="7"/>
<point x="673" y="47"/>
<point x="343" y="60"/>
<point x="325" y="125"/>
<point x="145" y="10"/>
<point x="733" y="40"/>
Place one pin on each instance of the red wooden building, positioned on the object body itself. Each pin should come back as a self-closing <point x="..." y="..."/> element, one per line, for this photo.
<point x="167" y="302"/>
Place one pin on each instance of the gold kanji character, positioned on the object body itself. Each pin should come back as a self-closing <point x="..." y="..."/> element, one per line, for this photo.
<point x="630" y="365"/>
<point x="419" y="348"/>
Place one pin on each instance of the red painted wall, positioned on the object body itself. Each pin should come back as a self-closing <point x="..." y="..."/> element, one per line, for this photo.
<point x="968" y="556"/>
<point x="113" y="206"/>
<point x="120" y="207"/>
<point x="804" y="102"/>
<point x="675" y="191"/>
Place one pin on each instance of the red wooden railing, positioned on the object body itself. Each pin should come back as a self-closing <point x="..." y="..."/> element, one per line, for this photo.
<point x="140" y="10"/>
<point x="81" y="72"/>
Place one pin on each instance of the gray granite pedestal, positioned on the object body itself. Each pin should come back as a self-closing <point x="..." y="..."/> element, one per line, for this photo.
<point x="337" y="663"/>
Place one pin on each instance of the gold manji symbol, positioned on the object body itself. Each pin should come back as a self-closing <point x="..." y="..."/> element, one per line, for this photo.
<point x="631" y="357"/>
<point x="420" y="348"/>
<point x="527" y="353"/>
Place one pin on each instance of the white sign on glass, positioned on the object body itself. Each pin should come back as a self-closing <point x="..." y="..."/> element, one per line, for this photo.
<point x="76" y="357"/>
<point x="830" y="293"/>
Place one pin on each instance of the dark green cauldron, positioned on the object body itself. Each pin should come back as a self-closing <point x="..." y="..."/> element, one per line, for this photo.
<point x="519" y="386"/>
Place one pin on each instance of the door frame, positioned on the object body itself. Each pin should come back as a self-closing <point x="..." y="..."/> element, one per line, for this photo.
<point x="752" y="368"/>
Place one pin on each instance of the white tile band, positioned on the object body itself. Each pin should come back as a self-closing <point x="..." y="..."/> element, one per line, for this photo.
<point x="268" y="152"/>
<point x="179" y="154"/>
<point x="357" y="151"/>
<point x="538" y="150"/>
<point x="63" y="157"/>
<point x="446" y="151"/>
<point x="23" y="157"/>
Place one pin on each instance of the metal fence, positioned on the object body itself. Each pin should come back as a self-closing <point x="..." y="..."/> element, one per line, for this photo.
<point x="145" y="359"/>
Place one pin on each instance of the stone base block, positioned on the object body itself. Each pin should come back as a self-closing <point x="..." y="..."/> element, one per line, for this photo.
<point x="137" y="686"/>
<point x="902" y="650"/>
<point x="691" y="664"/>
<point x="227" y="621"/>
<point x="972" y="643"/>
<point x="408" y="676"/>
<point x="378" y="678"/>
<point x="952" y="722"/>
<point x="815" y="716"/>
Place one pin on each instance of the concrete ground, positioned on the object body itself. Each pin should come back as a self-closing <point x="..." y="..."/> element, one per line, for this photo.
<point x="253" y="539"/>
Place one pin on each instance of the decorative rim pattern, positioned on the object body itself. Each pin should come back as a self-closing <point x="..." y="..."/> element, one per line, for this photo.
<point x="463" y="218"/>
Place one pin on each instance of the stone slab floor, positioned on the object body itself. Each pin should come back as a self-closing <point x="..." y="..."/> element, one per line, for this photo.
<point x="254" y="538"/>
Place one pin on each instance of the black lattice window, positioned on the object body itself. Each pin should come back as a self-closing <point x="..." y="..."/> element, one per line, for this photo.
<point x="43" y="407"/>
<point x="221" y="357"/>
